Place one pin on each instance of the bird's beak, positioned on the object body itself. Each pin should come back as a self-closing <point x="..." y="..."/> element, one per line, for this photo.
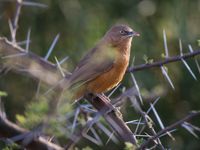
<point x="133" y="33"/>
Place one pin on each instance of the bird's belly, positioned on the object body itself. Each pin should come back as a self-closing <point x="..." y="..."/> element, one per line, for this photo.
<point x="107" y="80"/>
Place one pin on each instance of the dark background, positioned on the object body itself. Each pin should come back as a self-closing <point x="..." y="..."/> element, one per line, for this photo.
<point x="81" y="23"/>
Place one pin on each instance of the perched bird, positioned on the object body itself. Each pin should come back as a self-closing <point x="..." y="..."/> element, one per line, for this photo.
<point x="104" y="66"/>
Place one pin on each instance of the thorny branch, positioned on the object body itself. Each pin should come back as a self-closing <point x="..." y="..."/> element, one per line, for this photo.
<point x="168" y="128"/>
<point x="163" y="62"/>
<point x="37" y="67"/>
<point x="9" y="130"/>
<point x="15" y="20"/>
<point x="34" y="66"/>
<point x="11" y="53"/>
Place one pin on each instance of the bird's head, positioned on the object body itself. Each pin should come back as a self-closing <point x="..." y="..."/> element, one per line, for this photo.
<point x="120" y="35"/>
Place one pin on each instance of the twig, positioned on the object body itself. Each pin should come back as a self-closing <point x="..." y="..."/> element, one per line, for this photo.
<point x="16" y="19"/>
<point x="101" y="103"/>
<point x="162" y="62"/>
<point x="9" y="129"/>
<point x="31" y="64"/>
<point x="44" y="68"/>
<point x="168" y="128"/>
<point x="6" y="48"/>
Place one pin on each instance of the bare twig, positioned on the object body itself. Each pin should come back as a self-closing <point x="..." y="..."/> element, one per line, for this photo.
<point x="16" y="19"/>
<point x="102" y="104"/>
<point x="168" y="128"/>
<point x="31" y="64"/>
<point x="9" y="130"/>
<point x="162" y="62"/>
<point x="43" y="68"/>
<point x="6" y="48"/>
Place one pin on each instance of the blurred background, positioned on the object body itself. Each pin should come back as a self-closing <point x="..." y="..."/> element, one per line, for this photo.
<point x="81" y="23"/>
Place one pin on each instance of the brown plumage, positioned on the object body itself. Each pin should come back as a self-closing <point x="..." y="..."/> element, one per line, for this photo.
<point x="104" y="66"/>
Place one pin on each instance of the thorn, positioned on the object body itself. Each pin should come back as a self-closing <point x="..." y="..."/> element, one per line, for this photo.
<point x="188" y="68"/>
<point x="110" y="136"/>
<point x="167" y="134"/>
<point x="133" y="61"/>
<point x="137" y="88"/>
<point x="154" y="103"/>
<point x="190" y="48"/>
<point x="159" y="120"/>
<point x="38" y="89"/>
<point x="137" y="127"/>
<point x="13" y="55"/>
<point x="34" y="4"/>
<point x="23" y="42"/>
<point x="135" y="104"/>
<point x="147" y="136"/>
<point x="96" y="136"/>
<point x="180" y="47"/>
<point x="190" y="129"/>
<point x="11" y="30"/>
<point x="2" y="110"/>
<point x="134" y="122"/>
<point x="164" y="72"/>
<point x="28" y="40"/>
<point x="165" y="44"/>
<point x="63" y="60"/>
<point x="86" y="108"/>
<point x="75" y="119"/>
<point x="196" y="61"/>
<point x="53" y="87"/>
<point x="113" y="91"/>
<point x="52" y="46"/>
<point x="93" y="140"/>
<point x="108" y="133"/>
<point x="59" y="67"/>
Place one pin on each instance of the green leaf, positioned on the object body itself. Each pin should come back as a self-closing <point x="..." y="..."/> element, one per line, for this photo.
<point x="21" y="119"/>
<point x="198" y="41"/>
<point x="129" y="146"/>
<point x="163" y="55"/>
<point x="2" y="93"/>
<point x="145" y="58"/>
<point x="87" y="148"/>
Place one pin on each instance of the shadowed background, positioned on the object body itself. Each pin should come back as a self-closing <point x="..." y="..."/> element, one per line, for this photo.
<point x="81" y="23"/>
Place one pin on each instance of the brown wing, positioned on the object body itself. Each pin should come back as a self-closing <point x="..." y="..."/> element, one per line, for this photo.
<point x="96" y="62"/>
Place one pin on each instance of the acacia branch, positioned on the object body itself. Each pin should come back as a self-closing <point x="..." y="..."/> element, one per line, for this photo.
<point x="9" y="130"/>
<point x="168" y="128"/>
<point x="163" y="62"/>
<point x="109" y="112"/>
<point x="19" y="60"/>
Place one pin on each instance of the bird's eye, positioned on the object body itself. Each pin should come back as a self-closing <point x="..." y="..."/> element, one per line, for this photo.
<point x="122" y="32"/>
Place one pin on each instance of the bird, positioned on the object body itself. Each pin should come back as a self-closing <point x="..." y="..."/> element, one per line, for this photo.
<point x="104" y="66"/>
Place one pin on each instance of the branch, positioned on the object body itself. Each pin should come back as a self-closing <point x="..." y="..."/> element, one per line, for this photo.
<point x="39" y="68"/>
<point x="9" y="130"/>
<point x="15" y="20"/>
<point x="109" y="112"/>
<point x="35" y="66"/>
<point x="111" y="115"/>
<point x="162" y="62"/>
<point x="26" y="62"/>
<point x="21" y="61"/>
<point x="168" y="128"/>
